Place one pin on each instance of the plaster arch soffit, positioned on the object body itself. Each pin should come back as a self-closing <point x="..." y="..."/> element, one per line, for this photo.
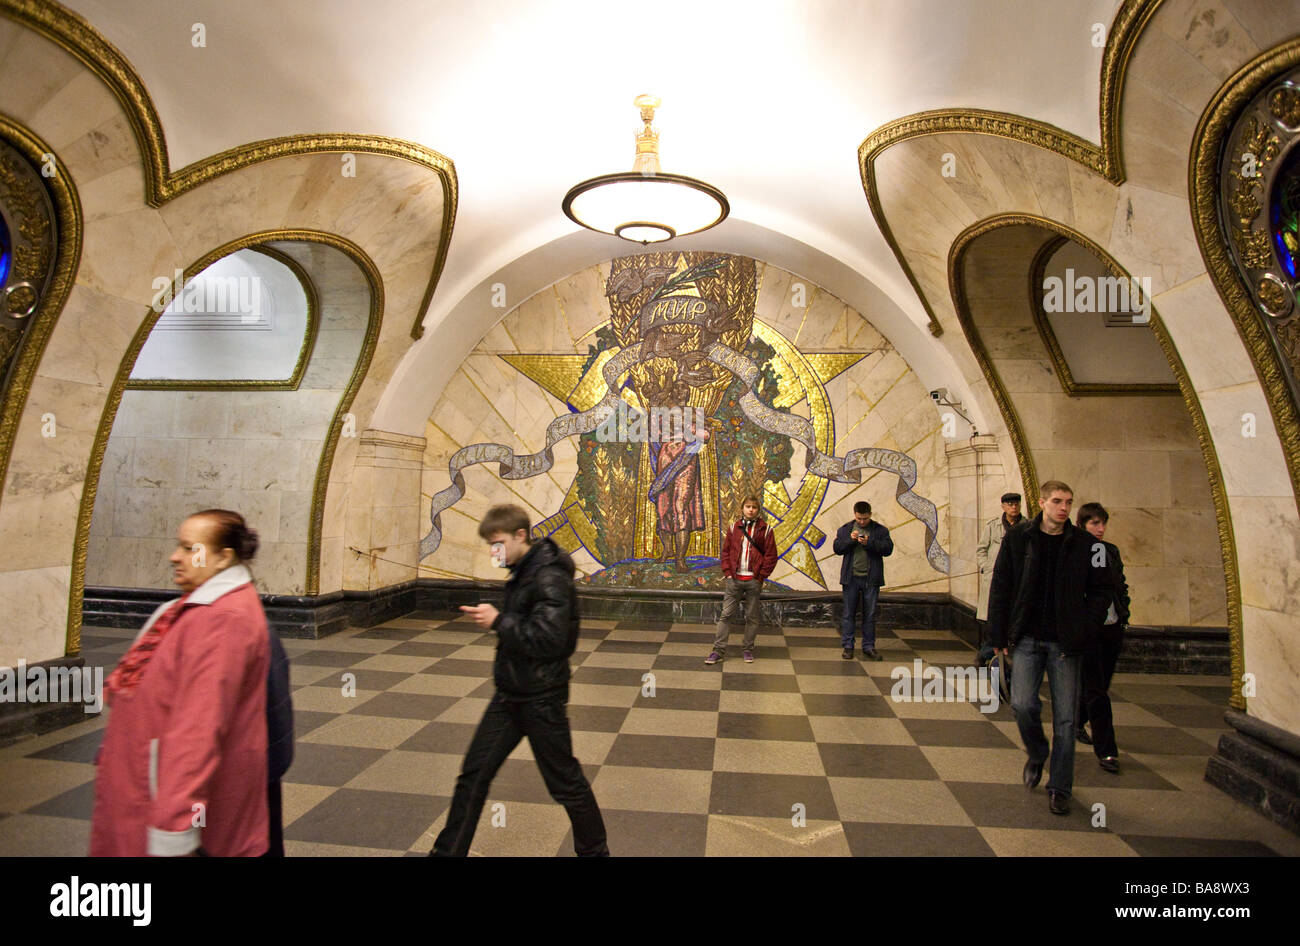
<point x="95" y="465"/>
<point x="1061" y="364"/>
<point x="1105" y="159"/>
<point x="1213" y="470"/>
<point x="79" y="38"/>
<point x="305" y="348"/>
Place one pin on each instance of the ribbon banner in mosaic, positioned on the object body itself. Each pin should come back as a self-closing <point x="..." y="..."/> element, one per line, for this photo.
<point x="846" y="469"/>
<point x="518" y="467"/>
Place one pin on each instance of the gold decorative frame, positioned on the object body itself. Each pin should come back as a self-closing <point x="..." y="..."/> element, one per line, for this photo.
<point x="1203" y="185"/>
<point x="1218" y="491"/>
<point x="67" y="212"/>
<point x="1059" y="362"/>
<point x="114" y="400"/>
<point x="1107" y="160"/>
<point x="77" y="37"/>
<point x="290" y="383"/>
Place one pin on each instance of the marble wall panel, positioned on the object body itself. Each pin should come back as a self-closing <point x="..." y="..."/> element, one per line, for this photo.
<point x="1270" y="648"/>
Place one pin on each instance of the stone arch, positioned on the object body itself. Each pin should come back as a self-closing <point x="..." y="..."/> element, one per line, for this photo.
<point x="142" y="220"/>
<point x="337" y="424"/>
<point x="962" y="246"/>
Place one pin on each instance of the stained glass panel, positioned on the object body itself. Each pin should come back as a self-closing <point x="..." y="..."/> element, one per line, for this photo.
<point x="1284" y="212"/>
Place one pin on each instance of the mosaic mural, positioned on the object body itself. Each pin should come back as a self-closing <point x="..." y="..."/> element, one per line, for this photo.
<point x="685" y="401"/>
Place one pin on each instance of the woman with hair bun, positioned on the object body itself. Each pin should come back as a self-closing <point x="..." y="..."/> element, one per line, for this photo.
<point x="183" y="766"/>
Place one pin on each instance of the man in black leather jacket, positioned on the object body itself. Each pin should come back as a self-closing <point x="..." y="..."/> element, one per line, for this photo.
<point x="537" y="632"/>
<point x="1050" y="591"/>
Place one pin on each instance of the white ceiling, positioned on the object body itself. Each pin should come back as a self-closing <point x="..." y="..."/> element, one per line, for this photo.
<point x="766" y="100"/>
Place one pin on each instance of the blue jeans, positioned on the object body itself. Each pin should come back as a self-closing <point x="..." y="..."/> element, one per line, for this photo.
<point x="1030" y="658"/>
<point x="859" y="593"/>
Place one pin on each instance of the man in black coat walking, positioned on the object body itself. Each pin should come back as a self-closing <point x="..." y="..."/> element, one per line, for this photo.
<point x="1050" y="591"/>
<point x="537" y="632"/>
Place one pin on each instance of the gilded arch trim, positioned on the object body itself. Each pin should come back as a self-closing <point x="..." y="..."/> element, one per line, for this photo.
<point x="294" y="381"/>
<point x="77" y="37"/>
<point x="1107" y="160"/>
<point x="68" y="220"/>
<point x="114" y="400"/>
<point x="1218" y="490"/>
<point x="1203" y="187"/>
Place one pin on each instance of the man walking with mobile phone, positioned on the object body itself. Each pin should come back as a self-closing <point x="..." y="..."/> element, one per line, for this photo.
<point x="537" y="632"/>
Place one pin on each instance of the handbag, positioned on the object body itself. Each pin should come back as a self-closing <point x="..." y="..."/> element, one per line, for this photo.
<point x="999" y="667"/>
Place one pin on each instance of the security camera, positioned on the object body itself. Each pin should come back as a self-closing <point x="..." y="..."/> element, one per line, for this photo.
<point x="939" y="394"/>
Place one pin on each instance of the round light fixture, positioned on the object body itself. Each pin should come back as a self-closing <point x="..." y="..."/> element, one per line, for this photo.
<point x="646" y="205"/>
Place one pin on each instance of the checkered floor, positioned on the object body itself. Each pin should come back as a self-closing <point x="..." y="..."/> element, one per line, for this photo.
<point x="720" y="760"/>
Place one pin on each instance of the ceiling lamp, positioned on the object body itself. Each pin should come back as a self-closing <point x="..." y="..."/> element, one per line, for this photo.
<point x="646" y="205"/>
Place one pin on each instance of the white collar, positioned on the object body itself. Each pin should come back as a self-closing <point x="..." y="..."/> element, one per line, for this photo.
<point x="224" y="581"/>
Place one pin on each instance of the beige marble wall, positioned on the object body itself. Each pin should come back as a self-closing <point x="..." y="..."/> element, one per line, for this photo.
<point x="392" y="211"/>
<point x="877" y="402"/>
<point x="976" y="483"/>
<point x="383" y="516"/>
<point x="1187" y="51"/>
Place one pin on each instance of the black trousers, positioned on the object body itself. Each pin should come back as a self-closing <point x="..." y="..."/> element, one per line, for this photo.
<point x="504" y="724"/>
<point x="275" y="811"/>
<point x="1098" y="666"/>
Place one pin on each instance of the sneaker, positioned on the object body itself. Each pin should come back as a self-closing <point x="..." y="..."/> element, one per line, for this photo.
<point x="847" y="653"/>
<point x="1082" y="736"/>
<point x="870" y="654"/>
<point x="1110" y="763"/>
<point x="713" y="658"/>
<point x="749" y="656"/>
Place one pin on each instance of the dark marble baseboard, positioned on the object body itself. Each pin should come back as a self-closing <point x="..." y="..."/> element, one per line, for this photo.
<point x="1176" y="649"/>
<point x="24" y="720"/>
<point x="1259" y="764"/>
<point x="1146" y="649"/>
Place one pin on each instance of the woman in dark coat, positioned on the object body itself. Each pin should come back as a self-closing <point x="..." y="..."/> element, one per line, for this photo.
<point x="1099" y="661"/>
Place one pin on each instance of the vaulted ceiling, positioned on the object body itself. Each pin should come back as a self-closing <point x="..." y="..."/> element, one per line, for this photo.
<point x="767" y="100"/>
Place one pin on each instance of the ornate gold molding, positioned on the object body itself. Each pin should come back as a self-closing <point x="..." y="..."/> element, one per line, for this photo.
<point x="1061" y="365"/>
<point x="67" y="212"/>
<point x="114" y="401"/>
<point x="1203" y="185"/>
<point x="1213" y="470"/>
<point x="308" y="345"/>
<point x="1106" y="159"/>
<point x="77" y="37"/>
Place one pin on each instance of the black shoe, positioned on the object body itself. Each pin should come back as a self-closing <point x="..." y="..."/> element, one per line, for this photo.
<point x="848" y="653"/>
<point x="1082" y="736"/>
<point x="1032" y="774"/>
<point x="870" y="654"/>
<point x="1110" y="763"/>
<point x="1058" y="803"/>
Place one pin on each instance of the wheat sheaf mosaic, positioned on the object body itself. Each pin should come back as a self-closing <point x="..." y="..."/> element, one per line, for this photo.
<point x="631" y="407"/>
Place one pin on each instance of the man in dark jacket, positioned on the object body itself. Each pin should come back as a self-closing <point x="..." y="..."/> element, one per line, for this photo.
<point x="537" y="632"/>
<point x="864" y="545"/>
<point x="748" y="557"/>
<point x="1049" y="594"/>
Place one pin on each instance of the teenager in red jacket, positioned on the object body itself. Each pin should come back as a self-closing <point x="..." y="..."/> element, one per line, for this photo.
<point x="748" y="557"/>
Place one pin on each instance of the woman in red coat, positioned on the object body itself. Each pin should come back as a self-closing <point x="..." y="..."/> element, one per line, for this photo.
<point x="183" y="765"/>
